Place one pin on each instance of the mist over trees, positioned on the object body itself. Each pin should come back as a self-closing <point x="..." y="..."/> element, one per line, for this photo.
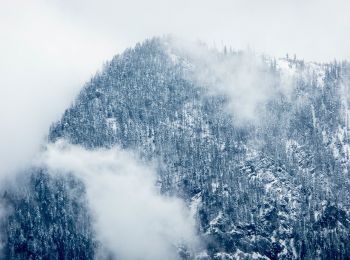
<point x="271" y="186"/>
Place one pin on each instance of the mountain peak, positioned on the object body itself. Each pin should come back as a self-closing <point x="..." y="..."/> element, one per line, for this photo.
<point x="256" y="148"/>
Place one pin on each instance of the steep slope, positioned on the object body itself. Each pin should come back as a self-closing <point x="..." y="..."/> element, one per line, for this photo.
<point x="268" y="179"/>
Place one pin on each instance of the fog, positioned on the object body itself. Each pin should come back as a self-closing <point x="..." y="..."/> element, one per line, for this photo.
<point x="244" y="77"/>
<point x="45" y="60"/>
<point x="133" y="220"/>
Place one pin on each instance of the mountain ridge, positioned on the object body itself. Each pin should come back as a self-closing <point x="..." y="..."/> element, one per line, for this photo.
<point x="257" y="147"/>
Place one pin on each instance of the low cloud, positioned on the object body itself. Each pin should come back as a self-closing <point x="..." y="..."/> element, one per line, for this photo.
<point x="45" y="59"/>
<point x="244" y="78"/>
<point x="133" y="220"/>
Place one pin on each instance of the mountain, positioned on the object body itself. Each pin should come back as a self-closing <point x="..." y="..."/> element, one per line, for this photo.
<point x="257" y="147"/>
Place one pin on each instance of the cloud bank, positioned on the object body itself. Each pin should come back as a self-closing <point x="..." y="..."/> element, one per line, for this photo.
<point x="133" y="220"/>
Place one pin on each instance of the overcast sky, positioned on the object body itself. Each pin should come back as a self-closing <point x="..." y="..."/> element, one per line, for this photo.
<point x="49" y="48"/>
<point x="313" y="29"/>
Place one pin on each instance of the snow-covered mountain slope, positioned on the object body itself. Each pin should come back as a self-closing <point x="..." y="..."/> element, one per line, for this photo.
<point x="257" y="147"/>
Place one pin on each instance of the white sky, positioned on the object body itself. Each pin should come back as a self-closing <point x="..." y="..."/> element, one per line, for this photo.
<point x="49" y="48"/>
<point x="313" y="29"/>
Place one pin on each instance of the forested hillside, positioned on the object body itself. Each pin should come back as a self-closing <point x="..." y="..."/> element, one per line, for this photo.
<point x="268" y="181"/>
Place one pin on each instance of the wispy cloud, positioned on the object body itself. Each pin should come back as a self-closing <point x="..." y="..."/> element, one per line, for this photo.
<point x="133" y="220"/>
<point x="246" y="79"/>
